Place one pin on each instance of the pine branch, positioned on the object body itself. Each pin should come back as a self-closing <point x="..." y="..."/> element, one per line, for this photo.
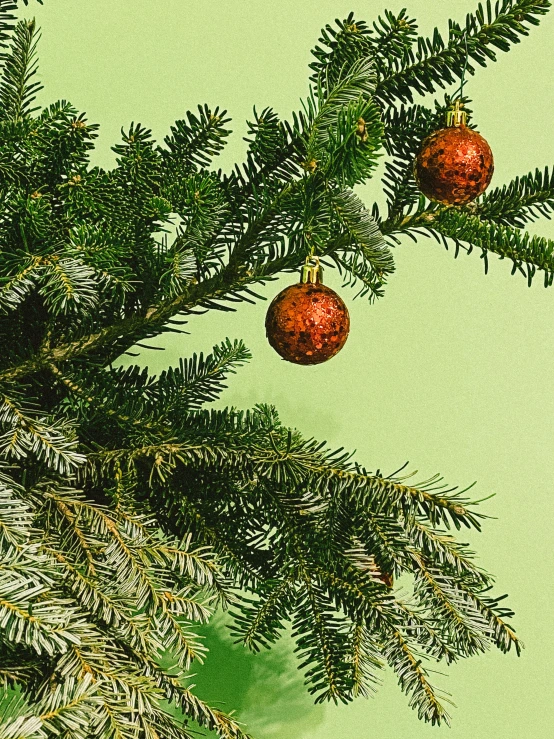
<point x="26" y="435"/>
<point x="164" y="724"/>
<point x="359" y="595"/>
<point x="437" y="63"/>
<point x="387" y="539"/>
<point x="7" y="18"/>
<point x="180" y="514"/>
<point x="527" y="253"/>
<point x="332" y="98"/>
<point x="503" y="635"/>
<point x="345" y="45"/>
<point x="423" y="630"/>
<point x="16" y="516"/>
<point x="27" y="618"/>
<point x="366" y="660"/>
<point x="111" y="609"/>
<point x="321" y="641"/>
<point x="68" y="285"/>
<point x="230" y="283"/>
<point x="17" y="286"/>
<point x="413" y="679"/>
<point x="393" y="37"/>
<point x="462" y="624"/>
<point x="243" y="443"/>
<point x="405" y="129"/>
<point x="121" y="335"/>
<point x="198" y="565"/>
<point x="70" y="707"/>
<point x="260" y="621"/>
<point x="194" y="141"/>
<point x="270" y="142"/>
<point x="17" y="720"/>
<point x="524" y="199"/>
<point x="365" y="236"/>
<point x="198" y="380"/>
<point x="17" y="90"/>
<point x="444" y="549"/>
<point x="192" y="706"/>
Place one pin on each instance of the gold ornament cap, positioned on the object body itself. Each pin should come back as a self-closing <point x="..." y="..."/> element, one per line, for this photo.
<point x="456" y="116"/>
<point x="312" y="271"/>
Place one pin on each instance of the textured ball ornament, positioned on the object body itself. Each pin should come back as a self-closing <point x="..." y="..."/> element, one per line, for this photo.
<point x="386" y="578"/>
<point x="454" y="165"/>
<point x="307" y="323"/>
<point x="380" y="573"/>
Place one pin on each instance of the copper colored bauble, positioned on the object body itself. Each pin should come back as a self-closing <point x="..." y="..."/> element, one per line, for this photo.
<point x="386" y="578"/>
<point x="454" y="165"/>
<point x="307" y="323"/>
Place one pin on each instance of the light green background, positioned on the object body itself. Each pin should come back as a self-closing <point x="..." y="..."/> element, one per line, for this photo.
<point x="451" y="370"/>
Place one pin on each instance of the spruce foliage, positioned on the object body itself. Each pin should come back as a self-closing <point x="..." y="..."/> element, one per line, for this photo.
<point x="129" y="510"/>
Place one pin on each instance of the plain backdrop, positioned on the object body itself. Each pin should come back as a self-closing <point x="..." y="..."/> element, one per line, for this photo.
<point x="451" y="370"/>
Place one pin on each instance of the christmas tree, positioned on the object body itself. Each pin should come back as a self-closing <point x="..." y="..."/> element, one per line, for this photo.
<point x="129" y="511"/>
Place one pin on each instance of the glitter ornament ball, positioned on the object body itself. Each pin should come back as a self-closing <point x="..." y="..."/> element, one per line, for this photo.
<point x="454" y="165"/>
<point x="307" y="323"/>
<point x="386" y="578"/>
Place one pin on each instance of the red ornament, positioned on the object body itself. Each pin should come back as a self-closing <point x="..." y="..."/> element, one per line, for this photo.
<point x="380" y="573"/>
<point x="454" y="165"/>
<point x="307" y="323"/>
<point x="386" y="578"/>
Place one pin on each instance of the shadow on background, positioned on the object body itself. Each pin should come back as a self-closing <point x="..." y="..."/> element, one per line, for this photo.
<point x="266" y="689"/>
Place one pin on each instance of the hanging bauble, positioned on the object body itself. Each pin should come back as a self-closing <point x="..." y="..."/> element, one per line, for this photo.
<point x="307" y="323"/>
<point x="380" y="573"/>
<point x="386" y="578"/>
<point x="454" y="165"/>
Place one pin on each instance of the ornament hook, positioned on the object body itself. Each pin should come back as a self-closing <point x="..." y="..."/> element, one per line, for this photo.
<point x="456" y="116"/>
<point x="312" y="271"/>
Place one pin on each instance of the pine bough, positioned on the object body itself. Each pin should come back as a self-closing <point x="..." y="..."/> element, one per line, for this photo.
<point x="129" y="511"/>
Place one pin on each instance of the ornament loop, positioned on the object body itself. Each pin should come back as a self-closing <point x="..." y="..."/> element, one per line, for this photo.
<point x="312" y="271"/>
<point x="456" y="116"/>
